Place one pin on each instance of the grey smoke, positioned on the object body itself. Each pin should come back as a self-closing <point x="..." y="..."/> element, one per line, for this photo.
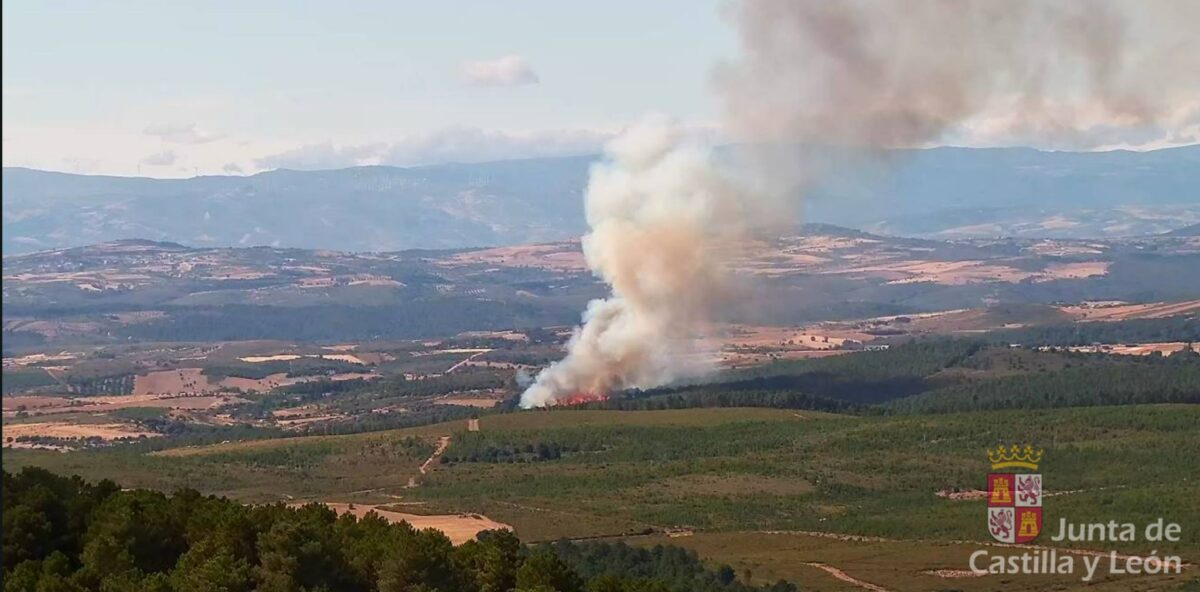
<point x="858" y="74"/>
<point x="892" y="73"/>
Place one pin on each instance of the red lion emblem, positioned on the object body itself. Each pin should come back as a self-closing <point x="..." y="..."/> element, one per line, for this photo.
<point x="1001" y="524"/>
<point x="1029" y="489"/>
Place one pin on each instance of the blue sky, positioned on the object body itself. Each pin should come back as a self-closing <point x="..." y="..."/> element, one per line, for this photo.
<point x="204" y="86"/>
<point x="171" y="89"/>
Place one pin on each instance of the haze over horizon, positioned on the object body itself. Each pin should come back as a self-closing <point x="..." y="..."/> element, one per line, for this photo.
<point x="415" y="85"/>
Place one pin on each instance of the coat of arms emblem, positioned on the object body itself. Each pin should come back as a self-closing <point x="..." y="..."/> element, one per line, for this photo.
<point x="1014" y="499"/>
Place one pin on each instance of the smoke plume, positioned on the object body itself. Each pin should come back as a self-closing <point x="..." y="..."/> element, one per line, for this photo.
<point x="859" y="74"/>
<point x="660" y="213"/>
<point x="904" y="73"/>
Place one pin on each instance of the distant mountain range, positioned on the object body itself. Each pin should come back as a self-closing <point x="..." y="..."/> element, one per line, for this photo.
<point x="936" y="193"/>
<point x="162" y="291"/>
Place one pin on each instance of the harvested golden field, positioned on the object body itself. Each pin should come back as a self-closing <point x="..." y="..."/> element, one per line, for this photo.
<point x="565" y="256"/>
<point x="351" y="358"/>
<point x="258" y="384"/>
<point x="183" y="380"/>
<point x="192" y="380"/>
<point x="273" y="358"/>
<point x="459" y="528"/>
<point x="1121" y="311"/>
<point x="38" y="358"/>
<point x="38" y="405"/>
<point x="1072" y="271"/>
<point x="104" y="431"/>
<point x="361" y="359"/>
<point x="813" y="337"/>
<point x="33" y="402"/>
<point x="950" y="273"/>
<point x="1137" y="349"/>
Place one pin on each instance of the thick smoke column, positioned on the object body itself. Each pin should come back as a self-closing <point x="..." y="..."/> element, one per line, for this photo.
<point x="662" y="216"/>
<point x="904" y="73"/>
<point x="864" y="74"/>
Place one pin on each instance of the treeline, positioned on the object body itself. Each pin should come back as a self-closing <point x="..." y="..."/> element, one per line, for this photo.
<point x="669" y="568"/>
<point x="936" y="376"/>
<point x="17" y="381"/>
<point x="464" y="380"/>
<point x="845" y="383"/>
<point x="757" y="392"/>
<point x="62" y="534"/>
<point x="299" y="367"/>
<point x="121" y="384"/>
<point x="374" y="422"/>
<point x="479" y="447"/>
<point x="188" y="433"/>
<point x="1122" y="380"/>
<point x="912" y="360"/>
<point x="419" y="318"/>
<point x="15" y="341"/>
<point x="1178" y="328"/>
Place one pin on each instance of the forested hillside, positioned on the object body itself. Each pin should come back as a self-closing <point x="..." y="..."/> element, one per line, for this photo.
<point x="63" y="534"/>
<point x="942" y="375"/>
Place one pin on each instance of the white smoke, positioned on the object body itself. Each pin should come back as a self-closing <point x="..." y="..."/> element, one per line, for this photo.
<point x="661" y="216"/>
<point x="854" y="73"/>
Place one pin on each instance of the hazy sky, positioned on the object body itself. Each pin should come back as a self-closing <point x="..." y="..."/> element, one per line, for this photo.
<point x="174" y="88"/>
<point x="177" y="86"/>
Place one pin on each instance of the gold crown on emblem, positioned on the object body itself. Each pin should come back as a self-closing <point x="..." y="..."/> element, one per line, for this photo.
<point x="1015" y="456"/>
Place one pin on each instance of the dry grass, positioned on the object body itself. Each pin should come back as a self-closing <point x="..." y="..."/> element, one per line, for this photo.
<point x="193" y="381"/>
<point x="43" y="405"/>
<point x="1120" y="311"/>
<point x="33" y="402"/>
<point x="481" y="402"/>
<point x="104" y="431"/>
<point x="1073" y="271"/>
<point x="565" y="256"/>
<point x="816" y="562"/>
<point x="1138" y="349"/>
<point x="171" y="382"/>
<point x="459" y="528"/>
<point x="274" y="358"/>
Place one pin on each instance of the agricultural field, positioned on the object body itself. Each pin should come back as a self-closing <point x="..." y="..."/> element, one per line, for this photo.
<point x="836" y="440"/>
<point x="854" y="493"/>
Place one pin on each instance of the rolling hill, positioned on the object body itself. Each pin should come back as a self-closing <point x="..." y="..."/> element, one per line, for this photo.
<point x="147" y="290"/>
<point x="936" y="193"/>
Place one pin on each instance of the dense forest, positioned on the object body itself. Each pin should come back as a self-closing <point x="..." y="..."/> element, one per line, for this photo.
<point x="63" y="534"/>
<point x="415" y="319"/>
<point x="1177" y="328"/>
<point x="1128" y="381"/>
<point x="936" y="376"/>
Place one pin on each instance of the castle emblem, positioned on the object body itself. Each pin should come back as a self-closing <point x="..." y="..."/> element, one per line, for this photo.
<point x="1014" y="499"/>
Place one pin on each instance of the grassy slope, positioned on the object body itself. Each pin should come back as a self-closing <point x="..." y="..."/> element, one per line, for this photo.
<point x="730" y="471"/>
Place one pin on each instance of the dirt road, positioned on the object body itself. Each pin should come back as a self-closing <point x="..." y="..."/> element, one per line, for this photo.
<point x="843" y="576"/>
<point x="443" y="443"/>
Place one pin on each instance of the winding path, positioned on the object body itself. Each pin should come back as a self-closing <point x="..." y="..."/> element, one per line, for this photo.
<point x="443" y="443"/>
<point x="845" y="577"/>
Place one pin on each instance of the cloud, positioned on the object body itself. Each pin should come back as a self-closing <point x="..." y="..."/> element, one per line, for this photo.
<point x="181" y="133"/>
<point x="325" y="155"/>
<point x="165" y="158"/>
<point x="232" y="168"/>
<point x="466" y="144"/>
<point x="510" y="70"/>
<point x="456" y="144"/>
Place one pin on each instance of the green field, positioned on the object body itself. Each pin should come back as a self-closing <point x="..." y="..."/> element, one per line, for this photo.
<point x="726" y="475"/>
